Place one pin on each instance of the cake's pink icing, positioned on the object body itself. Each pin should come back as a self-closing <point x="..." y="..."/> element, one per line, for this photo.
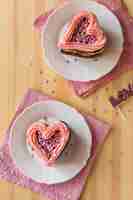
<point x="79" y="35"/>
<point x="48" y="144"/>
<point x="48" y="141"/>
<point x="83" y="33"/>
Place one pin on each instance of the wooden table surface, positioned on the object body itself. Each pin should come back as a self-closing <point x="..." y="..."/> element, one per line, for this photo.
<point x="22" y="67"/>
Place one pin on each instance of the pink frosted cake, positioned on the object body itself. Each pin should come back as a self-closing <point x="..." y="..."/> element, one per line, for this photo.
<point x="47" y="140"/>
<point x="83" y="36"/>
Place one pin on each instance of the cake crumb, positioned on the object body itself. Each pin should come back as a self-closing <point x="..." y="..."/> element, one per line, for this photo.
<point x="94" y="110"/>
<point x="30" y="61"/>
<point x="105" y="110"/>
<point x="95" y="59"/>
<point x="75" y="59"/>
<point x="53" y="91"/>
<point x="107" y="89"/>
<point x="67" y="61"/>
<point x="46" y="81"/>
<point x="41" y="72"/>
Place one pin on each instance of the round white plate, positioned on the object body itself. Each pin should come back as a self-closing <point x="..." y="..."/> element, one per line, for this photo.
<point x="82" y="69"/>
<point x="74" y="157"/>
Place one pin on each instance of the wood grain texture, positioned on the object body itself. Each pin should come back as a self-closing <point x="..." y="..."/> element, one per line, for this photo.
<point x="22" y="67"/>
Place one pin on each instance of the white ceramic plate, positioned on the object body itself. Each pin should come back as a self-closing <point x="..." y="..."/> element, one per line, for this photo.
<point x="74" y="157"/>
<point x="82" y="69"/>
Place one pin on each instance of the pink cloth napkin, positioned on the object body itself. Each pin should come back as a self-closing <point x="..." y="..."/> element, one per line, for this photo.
<point x="125" y="63"/>
<point x="70" y="190"/>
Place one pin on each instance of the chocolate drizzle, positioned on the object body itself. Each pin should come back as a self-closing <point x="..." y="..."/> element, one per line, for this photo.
<point x="122" y="95"/>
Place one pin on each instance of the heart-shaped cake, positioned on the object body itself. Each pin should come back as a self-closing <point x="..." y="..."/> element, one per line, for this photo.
<point x="46" y="141"/>
<point x="83" y="36"/>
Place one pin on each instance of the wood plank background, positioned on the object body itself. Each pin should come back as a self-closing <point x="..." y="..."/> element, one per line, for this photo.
<point x="22" y="67"/>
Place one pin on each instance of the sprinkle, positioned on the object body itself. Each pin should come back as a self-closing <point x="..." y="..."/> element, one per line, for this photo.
<point x="97" y="97"/>
<point x="53" y="91"/>
<point x="94" y="110"/>
<point x="95" y="59"/>
<point x="67" y="61"/>
<point x="41" y="71"/>
<point x="122" y="96"/>
<point x="110" y="161"/>
<point x="107" y="89"/>
<point x="105" y="110"/>
<point x="30" y="60"/>
<point x="114" y="102"/>
<point x="46" y="81"/>
<point x="75" y="59"/>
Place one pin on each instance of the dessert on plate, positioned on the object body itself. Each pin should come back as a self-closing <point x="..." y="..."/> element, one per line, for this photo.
<point x="83" y="36"/>
<point x="46" y="139"/>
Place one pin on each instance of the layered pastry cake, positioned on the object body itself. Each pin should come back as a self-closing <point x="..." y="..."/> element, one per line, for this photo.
<point x="46" y="140"/>
<point x="83" y="36"/>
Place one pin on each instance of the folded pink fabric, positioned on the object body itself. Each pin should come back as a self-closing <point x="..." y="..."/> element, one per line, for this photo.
<point x="70" y="190"/>
<point x="125" y="63"/>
